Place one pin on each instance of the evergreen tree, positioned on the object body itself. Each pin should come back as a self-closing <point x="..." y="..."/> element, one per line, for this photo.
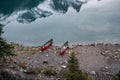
<point x="73" y="72"/>
<point x="73" y="63"/>
<point x="6" y="50"/>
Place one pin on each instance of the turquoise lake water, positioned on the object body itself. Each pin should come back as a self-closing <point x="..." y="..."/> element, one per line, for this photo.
<point x="35" y="22"/>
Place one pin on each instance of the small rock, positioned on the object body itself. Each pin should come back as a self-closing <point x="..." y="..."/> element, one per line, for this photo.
<point x="66" y="61"/>
<point x="45" y="62"/>
<point x="107" y="73"/>
<point x="21" y="70"/>
<point x="24" y="70"/>
<point x="114" y="50"/>
<point x="55" y="52"/>
<point x="46" y="55"/>
<point x="49" y="50"/>
<point x="64" y="66"/>
<point x="118" y="50"/>
<point x="58" y="79"/>
<point x="11" y="66"/>
<point x="106" y="67"/>
<point x="39" y="75"/>
<point x="92" y="44"/>
<point x="106" y="51"/>
<point x="115" y="56"/>
<point x="93" y="72"/>
<point x="61" y="62"/>
<point x="103" y="53"/>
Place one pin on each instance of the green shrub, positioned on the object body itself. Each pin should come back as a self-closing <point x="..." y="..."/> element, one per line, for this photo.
<point x="73" y="72"/>
<point x="49" y="71"/>
<point x="76" y="76"/>
<point x="34" y="71"/>
<point x="23" y="65"/>
<point x="6" y="49"/>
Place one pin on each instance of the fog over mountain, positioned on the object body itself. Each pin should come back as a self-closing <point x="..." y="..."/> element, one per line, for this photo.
<point x="26" y="11"/>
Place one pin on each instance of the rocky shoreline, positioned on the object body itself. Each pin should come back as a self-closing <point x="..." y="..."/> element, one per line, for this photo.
<point x="101" y="61"/>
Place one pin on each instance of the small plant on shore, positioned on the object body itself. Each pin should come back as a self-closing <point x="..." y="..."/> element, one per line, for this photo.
<point x="23" y="65"/>
<point x="34" y="71"/>
<point x="48" y="71"/>
<point x="44" y="70"/>
<point x="73" y="72"/>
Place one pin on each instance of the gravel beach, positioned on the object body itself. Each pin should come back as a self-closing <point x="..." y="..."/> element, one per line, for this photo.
<point x="101" y="61"/>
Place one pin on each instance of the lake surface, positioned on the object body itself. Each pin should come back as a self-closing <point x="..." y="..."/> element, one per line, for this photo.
<point x="33" y="22"/>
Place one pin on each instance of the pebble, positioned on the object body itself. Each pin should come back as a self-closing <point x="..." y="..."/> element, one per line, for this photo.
<point x="21" y="70"/>
<point x="46" y="55"/>
<point x="39" y="75"/>
<point x="58" y="79"/>
<point x="66" y="61"/>
<point x="106" y="67"/>
<point x="106" y="51"/>
<point x="93" y="72"/>
<point x="24" y="70"/>
<point x="114" y="50"/>
<point x="115" y="56"/>
<point x="118" y="50"/>
<point x="103" y="53"/>
<point x="64" y="66"/>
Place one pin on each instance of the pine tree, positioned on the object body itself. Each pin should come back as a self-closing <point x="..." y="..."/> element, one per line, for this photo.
<point x="73" y="63"/>
<point x="6" y="50"/>
<point x="73" y="72"/>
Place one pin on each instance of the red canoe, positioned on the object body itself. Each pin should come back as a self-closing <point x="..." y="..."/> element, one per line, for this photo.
<point x="64" y="48"/>
<point x="46" y="45"/>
